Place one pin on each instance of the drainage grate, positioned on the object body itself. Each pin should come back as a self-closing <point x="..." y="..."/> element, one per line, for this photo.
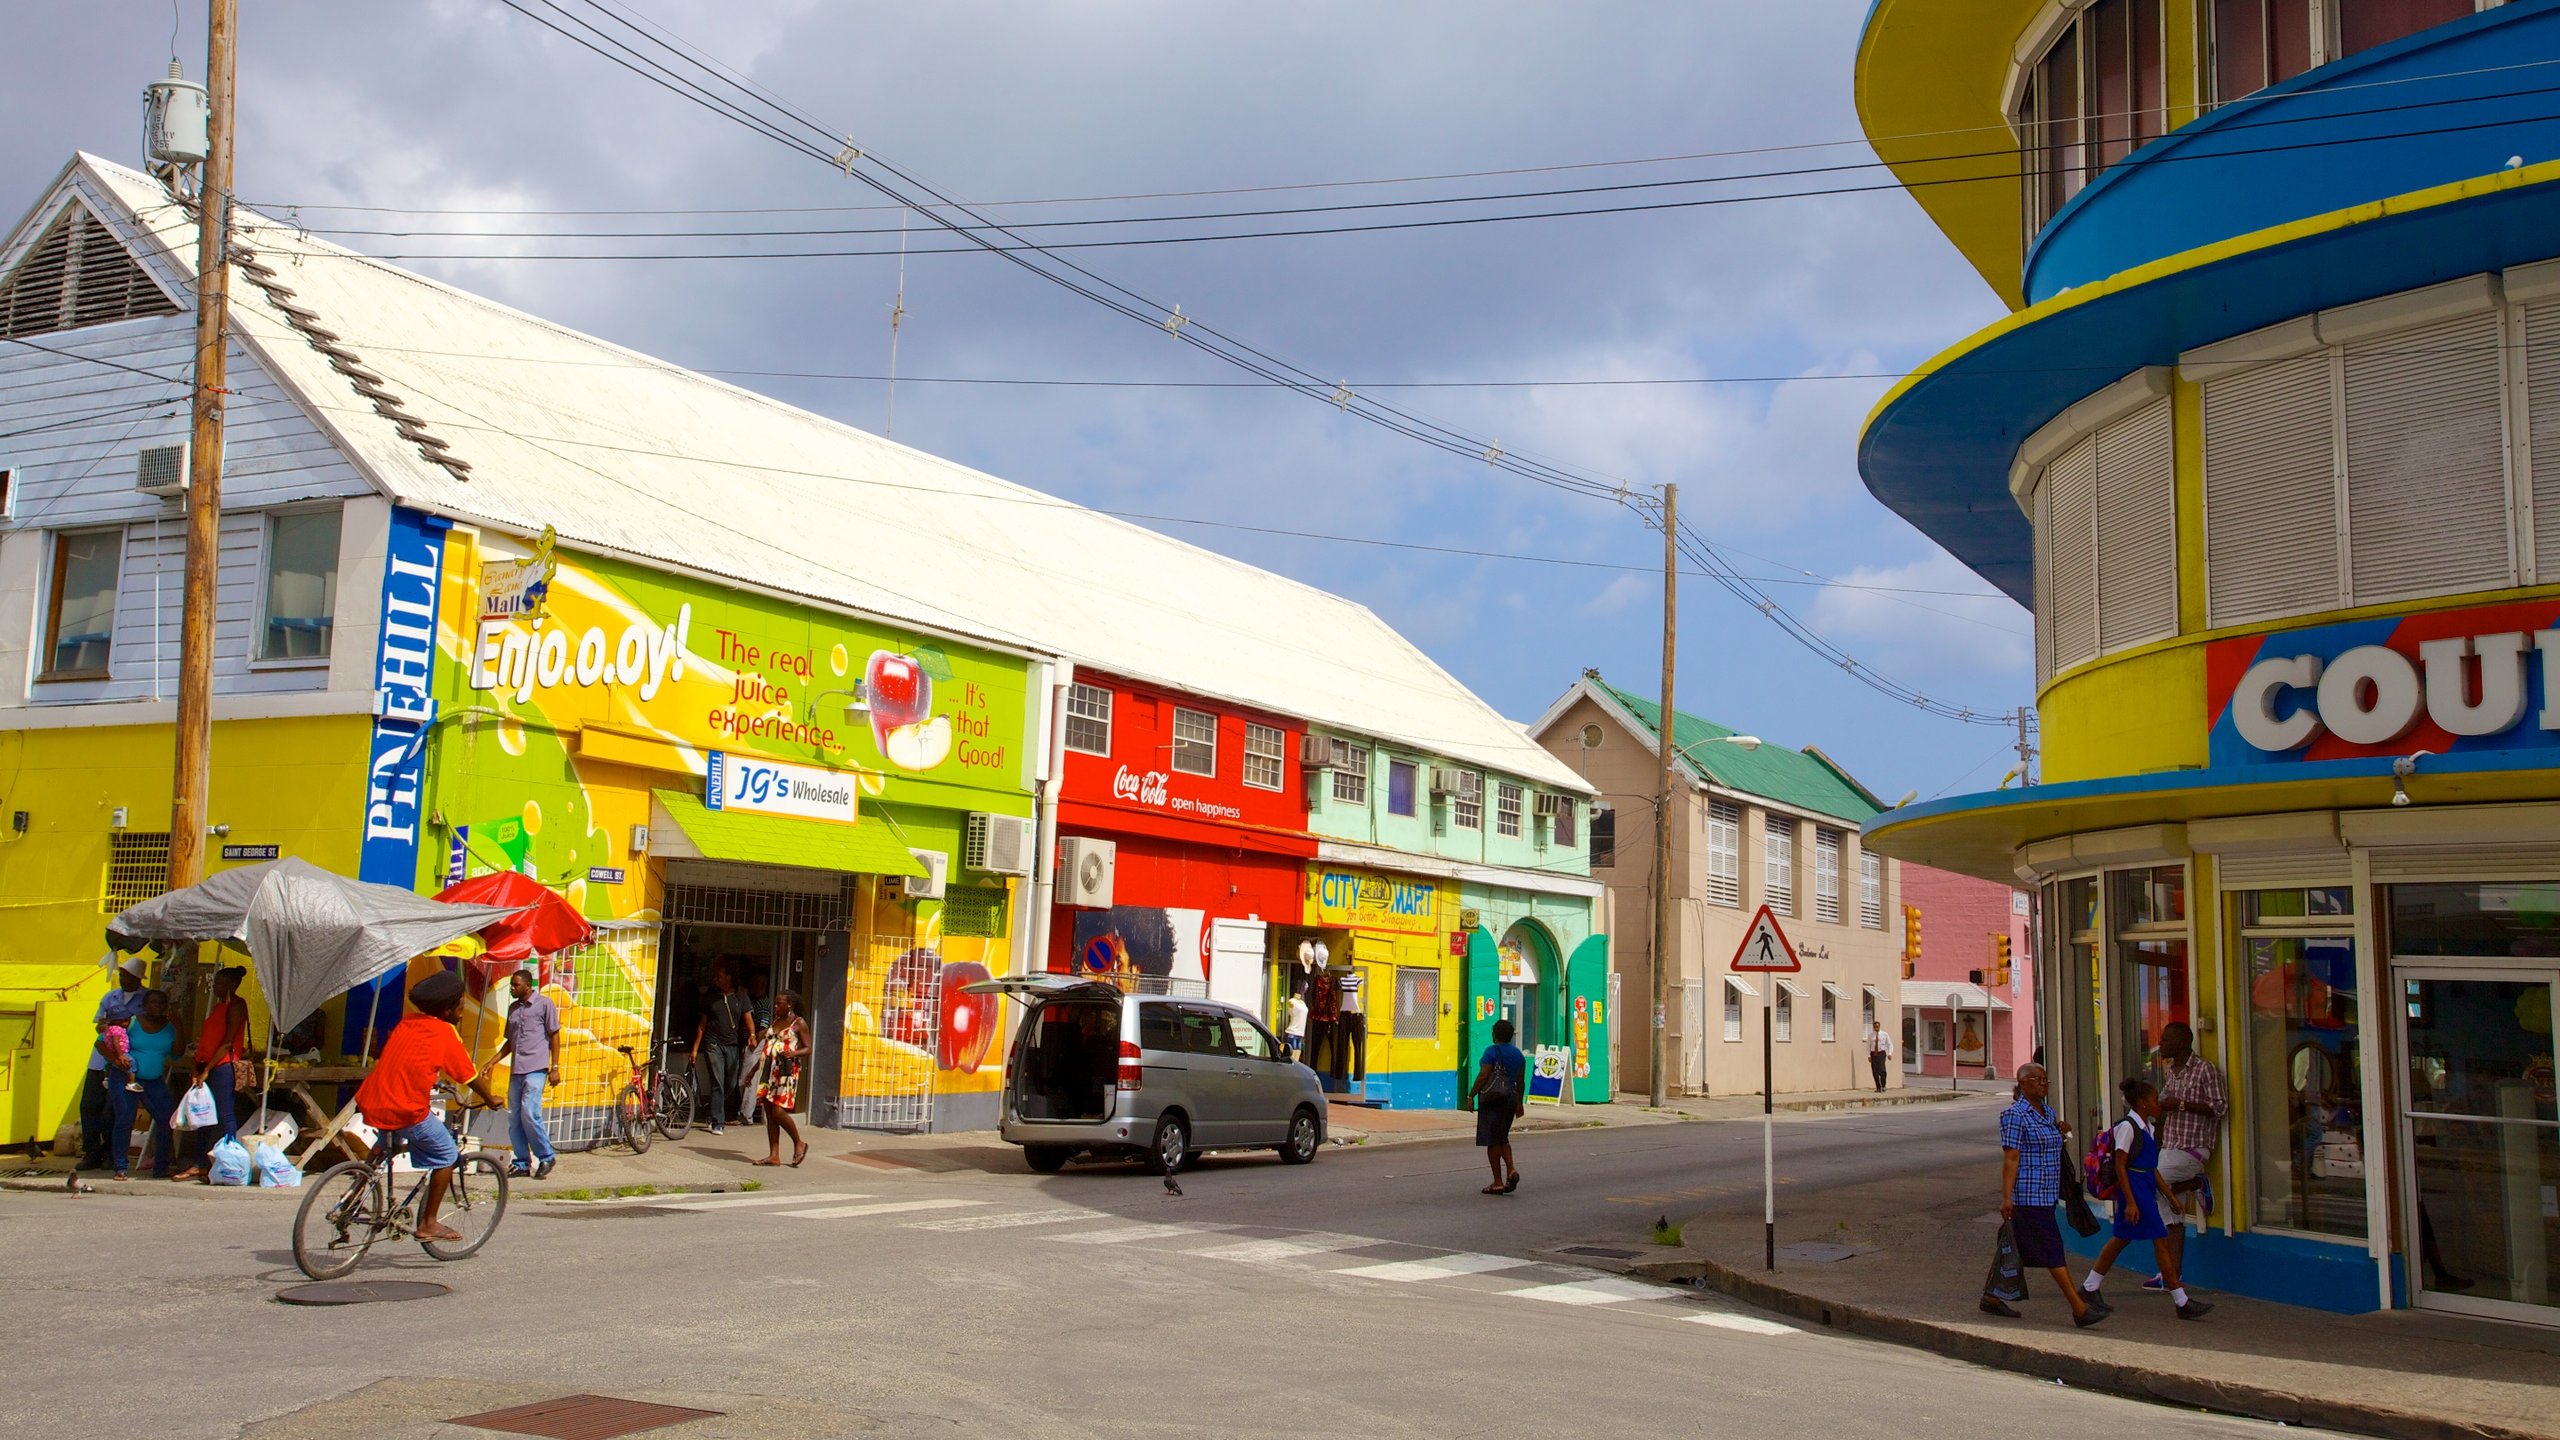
<point x="1603" y="1251"/>
<point x="583" y="1417"/>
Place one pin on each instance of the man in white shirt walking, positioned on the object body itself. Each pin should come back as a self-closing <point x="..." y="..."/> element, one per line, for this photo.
<point x="1879" y="1050"/>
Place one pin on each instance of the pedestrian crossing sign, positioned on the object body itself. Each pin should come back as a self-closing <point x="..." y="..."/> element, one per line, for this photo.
<point x="1765" y="947"/>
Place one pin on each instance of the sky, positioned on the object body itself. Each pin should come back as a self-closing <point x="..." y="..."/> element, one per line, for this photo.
<point x="446" y="106"/>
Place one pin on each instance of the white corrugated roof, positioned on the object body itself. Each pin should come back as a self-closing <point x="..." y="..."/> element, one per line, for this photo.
<point x="620" y="451"/>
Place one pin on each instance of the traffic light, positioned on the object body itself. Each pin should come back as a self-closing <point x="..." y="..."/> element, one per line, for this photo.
<point x="1910" y="941"/>
<point x="2000" y="959"/>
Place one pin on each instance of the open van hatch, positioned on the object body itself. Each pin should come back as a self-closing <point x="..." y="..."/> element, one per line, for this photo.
<point x="1045" y="987"/>
<point x="1065" y="1064"/>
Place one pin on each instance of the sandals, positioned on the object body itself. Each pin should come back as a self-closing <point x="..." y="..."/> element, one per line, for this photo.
<point x="799" y="1153"/>
<point x="1511" y="1184"/>
<point x="777" y="1164"/>
<point x="1491" y="1190"/>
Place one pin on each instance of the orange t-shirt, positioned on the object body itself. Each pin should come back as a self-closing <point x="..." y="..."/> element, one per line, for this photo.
<point x="396" y="1093"/>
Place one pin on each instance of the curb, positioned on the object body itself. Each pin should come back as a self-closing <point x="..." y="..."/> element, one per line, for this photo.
<point x="2133" y="1382"/>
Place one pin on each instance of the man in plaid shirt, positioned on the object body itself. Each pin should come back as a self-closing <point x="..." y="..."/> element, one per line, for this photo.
<point x="2193" y="1100"/>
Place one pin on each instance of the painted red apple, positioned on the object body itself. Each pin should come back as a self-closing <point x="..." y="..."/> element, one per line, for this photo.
<point x="898" y="691"/>
<point x="968" y="1021"/>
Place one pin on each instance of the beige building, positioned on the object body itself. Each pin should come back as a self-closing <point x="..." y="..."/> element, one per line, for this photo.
<point x="1751" y="824"/>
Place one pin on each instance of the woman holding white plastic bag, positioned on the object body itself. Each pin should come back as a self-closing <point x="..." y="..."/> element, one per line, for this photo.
<point x="222" y="1046"/>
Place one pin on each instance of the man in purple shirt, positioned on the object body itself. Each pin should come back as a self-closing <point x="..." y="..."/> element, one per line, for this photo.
<point x="533" y="1028"/>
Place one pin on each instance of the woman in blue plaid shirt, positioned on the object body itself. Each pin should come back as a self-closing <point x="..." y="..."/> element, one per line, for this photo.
<point x="2031" y="1159"/>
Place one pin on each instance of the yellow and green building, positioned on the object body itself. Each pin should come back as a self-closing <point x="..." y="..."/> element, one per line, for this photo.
<point x="2270" y="443"/>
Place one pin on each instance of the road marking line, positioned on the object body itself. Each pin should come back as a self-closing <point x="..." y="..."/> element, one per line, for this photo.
<point x="1266" y="1252"/>
<point x="884" y="1207"/>
<point x="1125" y="1234"/>
<point x="1438" y="1267"/>
<point x="1604" y="1291"/>
<point x="1007" y="1222"/>
<point x="741" y="1202"/>
<point x="1747" y="1324"/>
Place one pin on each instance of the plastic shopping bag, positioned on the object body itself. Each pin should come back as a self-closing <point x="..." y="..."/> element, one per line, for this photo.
<point x="229" y="1163"/>
<point x="2006" y="1280"/>
<point x="195" y="1109"/>
<point x="274" y="1169"/>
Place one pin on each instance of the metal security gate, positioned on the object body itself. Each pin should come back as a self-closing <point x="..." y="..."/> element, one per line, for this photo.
<point x="893" y="1028"/>
<point x="612" y="982"/>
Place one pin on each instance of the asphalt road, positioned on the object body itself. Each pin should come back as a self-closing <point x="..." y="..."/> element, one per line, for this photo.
<point x="1373" y="1293"/>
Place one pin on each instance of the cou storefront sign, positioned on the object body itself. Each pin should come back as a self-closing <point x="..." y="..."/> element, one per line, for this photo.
<point x="2479" y="679"/>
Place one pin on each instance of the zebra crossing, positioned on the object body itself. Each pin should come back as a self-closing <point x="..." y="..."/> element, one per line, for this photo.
<point x="1333" y="1255"/>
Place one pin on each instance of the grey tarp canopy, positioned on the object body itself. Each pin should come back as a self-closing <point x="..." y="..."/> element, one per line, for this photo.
<point x="310" y="934"/>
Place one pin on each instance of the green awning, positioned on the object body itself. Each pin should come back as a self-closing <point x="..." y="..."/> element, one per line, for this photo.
<point x="748" y="839"/>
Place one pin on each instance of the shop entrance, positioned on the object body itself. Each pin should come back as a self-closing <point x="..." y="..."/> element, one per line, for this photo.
<point x="775" y="930"/>
<point x="1348" y="982"/>
<point x="2475" y="987"/>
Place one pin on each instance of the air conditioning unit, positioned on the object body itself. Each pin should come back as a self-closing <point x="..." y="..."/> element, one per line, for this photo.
<point x="927" y="886"/>
<point x="1465" y="784"/>
<point x="997" y="845"/>
<point x="1085" y="868"/>
<point x="1319" y="752"/>
<point x="1551" y="806"/>
<point x="161" y="470"/>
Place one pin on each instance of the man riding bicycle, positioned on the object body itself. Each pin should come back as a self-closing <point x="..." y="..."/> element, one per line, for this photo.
<point x="395" y="1098"/>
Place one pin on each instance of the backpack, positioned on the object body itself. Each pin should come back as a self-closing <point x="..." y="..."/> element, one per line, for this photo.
<point x="2098" y="1171"/>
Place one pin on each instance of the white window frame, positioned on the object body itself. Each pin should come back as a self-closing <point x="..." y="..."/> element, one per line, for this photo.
<point x="259" y="659"/>
<point x="1733" y="993"/>
<point x="1466" y="812"/>
<point x="1508" y="802"/>
<point x="1830" y="1015"/>
<point x="1083" y="705"/>
<point x="49" y="601"/>
<point x="1826" y="874"/>
<point x="1778" y="863"/>
<point x="1186" y="745"/>
<point x="8" y="493"/>
<point x="1870" y="889"/>
<point x="1782" y="1007"/>
<point x="1724" y="853"/>
<point x="1267" y="746"/>
<point x="1350" y="783"/>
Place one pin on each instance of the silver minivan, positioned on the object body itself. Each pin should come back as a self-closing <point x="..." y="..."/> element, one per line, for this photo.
<point x="1095" y="1071"/>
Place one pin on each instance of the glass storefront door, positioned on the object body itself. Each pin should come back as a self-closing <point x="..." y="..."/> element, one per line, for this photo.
<point x="2483" y="1136"/>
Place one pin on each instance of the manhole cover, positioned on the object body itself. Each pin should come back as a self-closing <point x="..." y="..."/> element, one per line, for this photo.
<point x="583" y="1417"/>
<point x="1603" y="1251"/>
<point x="1820" y="1252"/>
<point x="361" y="1292"/>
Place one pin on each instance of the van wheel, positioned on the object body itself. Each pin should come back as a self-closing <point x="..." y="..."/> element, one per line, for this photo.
<point x="1172" y="1147"/>
<point x="1301" y="1145"/>
<point x="1047" y="1159"/>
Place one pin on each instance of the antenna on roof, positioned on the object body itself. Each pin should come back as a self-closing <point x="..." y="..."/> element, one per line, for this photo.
<point x="897" y="317"/>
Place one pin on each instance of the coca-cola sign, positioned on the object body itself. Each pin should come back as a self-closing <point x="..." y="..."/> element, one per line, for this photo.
<point x="1146" y="789"/>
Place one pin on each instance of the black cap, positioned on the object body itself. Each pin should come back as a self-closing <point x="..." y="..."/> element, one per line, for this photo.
<point x="437" y="992"/>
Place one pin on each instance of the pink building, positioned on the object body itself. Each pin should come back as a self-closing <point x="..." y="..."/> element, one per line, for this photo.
<point x="1953" y="998"/>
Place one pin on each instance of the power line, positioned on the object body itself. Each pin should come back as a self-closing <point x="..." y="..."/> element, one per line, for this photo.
<point x="1374" y="182"/>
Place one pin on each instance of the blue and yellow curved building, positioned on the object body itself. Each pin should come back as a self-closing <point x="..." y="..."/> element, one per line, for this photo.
<point x="2270" y="443"/>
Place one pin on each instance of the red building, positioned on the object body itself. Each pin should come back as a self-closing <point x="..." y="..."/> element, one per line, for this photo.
<point x="1957" y="1009"/>
<point x="1182" y="839"/>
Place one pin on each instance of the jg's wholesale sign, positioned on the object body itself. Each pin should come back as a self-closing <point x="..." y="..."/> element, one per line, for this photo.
<point x="2449" y="682"/>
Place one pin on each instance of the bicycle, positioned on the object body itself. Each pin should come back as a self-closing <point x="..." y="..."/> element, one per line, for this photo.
<point x="354" y="1203"/>
<point x="655" y="1098"/>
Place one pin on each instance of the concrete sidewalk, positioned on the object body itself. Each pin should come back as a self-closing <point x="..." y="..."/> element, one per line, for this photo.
<point x="1911" y="1256"/>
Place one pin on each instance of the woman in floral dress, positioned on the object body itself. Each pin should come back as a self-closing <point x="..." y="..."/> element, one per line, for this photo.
<point x="786" y="1048"/>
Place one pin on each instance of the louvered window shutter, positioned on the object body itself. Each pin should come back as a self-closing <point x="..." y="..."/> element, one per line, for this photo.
<point x="2426" y="462"/>
<point x="2542" y="390"/>
<point x="2137" y="530"/>
<point x="2044" y="581"/>
<point x="2071" y="482"/>
<point x="77" y="274"/>
<point x="2270" y="493"/>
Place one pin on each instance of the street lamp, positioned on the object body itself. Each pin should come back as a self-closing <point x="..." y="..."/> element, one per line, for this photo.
<point x="1662" y="885"/>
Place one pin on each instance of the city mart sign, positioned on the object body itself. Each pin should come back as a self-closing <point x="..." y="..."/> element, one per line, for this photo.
<point x="2448" y="681"/>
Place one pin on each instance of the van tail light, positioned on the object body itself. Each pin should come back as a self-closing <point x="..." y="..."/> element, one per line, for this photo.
<point x="1130" y="1069"/>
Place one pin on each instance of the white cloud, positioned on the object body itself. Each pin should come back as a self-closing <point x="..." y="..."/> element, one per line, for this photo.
<point x="1896" y="620"/>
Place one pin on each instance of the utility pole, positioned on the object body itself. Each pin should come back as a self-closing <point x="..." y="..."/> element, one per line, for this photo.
<point x="1662" y="785"/>
<point x="194" y="775"/>
<point x="2026" y="751"/>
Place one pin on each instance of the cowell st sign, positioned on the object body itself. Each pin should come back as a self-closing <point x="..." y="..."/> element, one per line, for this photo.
<point x="2449" y="681"/>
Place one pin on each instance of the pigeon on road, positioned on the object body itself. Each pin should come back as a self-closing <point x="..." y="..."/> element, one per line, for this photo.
<point x="1171" y="1186"/>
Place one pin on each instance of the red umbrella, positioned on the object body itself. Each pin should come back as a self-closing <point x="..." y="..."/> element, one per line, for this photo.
<point x="549" y="925"/>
